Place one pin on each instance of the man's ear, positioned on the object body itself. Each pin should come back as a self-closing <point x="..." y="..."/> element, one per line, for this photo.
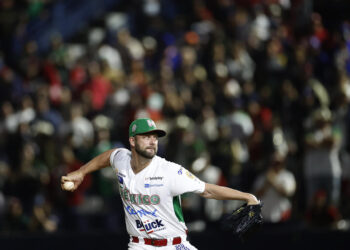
<point x="132" y="141"/>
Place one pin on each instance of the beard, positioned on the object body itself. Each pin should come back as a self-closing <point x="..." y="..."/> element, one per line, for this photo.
<point x="144" y="153"/>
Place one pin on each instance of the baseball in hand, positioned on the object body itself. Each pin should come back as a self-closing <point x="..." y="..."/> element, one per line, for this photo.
<point x="68" y="185"/>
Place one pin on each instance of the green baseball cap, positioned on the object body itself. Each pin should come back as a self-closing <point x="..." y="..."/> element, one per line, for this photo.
<point x="143" y="126"/>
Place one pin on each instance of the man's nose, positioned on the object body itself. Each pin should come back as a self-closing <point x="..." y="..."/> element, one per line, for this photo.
<point x="153" y="140"/>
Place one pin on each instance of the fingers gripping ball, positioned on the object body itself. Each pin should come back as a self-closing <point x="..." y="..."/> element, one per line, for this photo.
<point x="68" y="185"/>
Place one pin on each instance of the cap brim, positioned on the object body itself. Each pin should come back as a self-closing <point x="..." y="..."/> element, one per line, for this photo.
<point x="159" y="132"/>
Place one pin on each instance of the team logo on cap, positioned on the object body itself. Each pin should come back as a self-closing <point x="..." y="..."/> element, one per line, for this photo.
<point x="134" y="128"/>
<point x="151" y="123"/>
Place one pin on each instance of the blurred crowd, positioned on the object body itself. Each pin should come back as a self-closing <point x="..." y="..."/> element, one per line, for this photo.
<point x="253" y="94"/>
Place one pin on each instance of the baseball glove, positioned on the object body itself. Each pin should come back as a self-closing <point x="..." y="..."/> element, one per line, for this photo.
<point x="245" y="219"/>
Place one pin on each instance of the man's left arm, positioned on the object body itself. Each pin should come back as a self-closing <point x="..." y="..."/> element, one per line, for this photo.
<point x="213" y="191"/>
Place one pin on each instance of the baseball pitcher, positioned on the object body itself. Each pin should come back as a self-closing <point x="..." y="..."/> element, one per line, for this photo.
<point x="150" y="188"/>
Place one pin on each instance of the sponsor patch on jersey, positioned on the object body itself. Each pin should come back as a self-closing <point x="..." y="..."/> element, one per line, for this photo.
<point x="121" y="174"/>
<point x="188" y="173"/>
<point x="140" y="212"/>
<point x="179" y="172"/>
<point x="154" y="178"/>
<point x="153" y="185"/>
<point x="150" y="226"/>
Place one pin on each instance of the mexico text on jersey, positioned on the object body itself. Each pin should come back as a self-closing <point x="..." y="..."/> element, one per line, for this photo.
<point x="139" y="199"/>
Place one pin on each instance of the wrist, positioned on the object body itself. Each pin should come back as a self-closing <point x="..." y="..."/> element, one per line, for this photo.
<point x="77" y="175"/>
<point x="82" y="171"/>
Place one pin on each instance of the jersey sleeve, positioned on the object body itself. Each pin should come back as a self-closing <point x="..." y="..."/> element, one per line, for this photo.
<point x="117" y="155"/>
<point x="183" y="181"/>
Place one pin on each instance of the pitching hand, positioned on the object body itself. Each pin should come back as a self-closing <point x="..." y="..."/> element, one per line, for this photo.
<point x="76" y="177"/>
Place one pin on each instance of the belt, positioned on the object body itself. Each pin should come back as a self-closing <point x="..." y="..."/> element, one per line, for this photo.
<point x="156" y="242"/>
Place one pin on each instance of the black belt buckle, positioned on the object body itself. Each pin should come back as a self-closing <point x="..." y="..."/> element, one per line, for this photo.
<point x="153" y="242"/>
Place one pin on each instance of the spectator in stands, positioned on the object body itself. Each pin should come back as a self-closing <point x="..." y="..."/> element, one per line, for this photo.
<point x="276" y="188"/>
<point x="322" y="168"/>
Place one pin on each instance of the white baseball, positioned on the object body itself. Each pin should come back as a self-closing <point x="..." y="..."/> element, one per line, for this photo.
<point x="68" y="185"/>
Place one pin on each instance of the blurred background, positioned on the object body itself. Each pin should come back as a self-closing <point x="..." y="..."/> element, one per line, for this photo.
<point x="253" y="94"/>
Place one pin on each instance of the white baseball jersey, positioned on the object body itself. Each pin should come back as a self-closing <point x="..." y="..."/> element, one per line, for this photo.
<point x="151" y="197"/>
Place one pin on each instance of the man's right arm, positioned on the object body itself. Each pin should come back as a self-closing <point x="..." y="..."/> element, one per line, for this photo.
<point x="99" y="162"/>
